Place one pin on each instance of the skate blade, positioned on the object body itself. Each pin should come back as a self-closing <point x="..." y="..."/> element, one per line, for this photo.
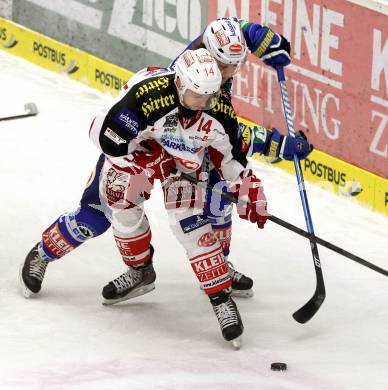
<point x="27" y="293"/>
<point x="133" y="294"/>
<point x="237" y="343"/>
<point x="242" y="293"/>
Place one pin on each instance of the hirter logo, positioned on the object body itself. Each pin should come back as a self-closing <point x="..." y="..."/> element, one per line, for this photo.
<point x="235" y="48"/>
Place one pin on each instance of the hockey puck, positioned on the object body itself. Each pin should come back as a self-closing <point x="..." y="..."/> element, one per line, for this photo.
<point x="278" y="366"/>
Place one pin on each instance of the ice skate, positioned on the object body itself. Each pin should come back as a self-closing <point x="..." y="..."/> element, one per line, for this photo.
<point x="241" y="284"/>
<point x="132" y="283"/>
<point x="32" y="272"/>
<point x="228" y="317"/>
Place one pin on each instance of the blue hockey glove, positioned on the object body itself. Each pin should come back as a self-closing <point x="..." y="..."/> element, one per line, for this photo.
<point x="285" y="146"/>
<point x="277" y="53"/>
<point x="258" y="139"/>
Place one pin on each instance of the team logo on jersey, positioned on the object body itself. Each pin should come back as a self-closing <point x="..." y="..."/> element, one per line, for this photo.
<point x="115" y="185"/>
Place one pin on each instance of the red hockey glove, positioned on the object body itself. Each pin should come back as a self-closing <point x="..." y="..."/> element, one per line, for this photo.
<point x="156" y="161"/>
<point x="252" y="203"/>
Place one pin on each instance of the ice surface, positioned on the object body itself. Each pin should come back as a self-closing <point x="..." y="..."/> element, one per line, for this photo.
<point x="169" y="339"/>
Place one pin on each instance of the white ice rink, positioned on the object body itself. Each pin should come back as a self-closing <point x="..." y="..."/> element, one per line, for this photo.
<point x="170" y="339"/>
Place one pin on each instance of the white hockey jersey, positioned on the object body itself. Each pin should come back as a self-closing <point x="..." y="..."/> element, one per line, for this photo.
<point x="148" y="109"/>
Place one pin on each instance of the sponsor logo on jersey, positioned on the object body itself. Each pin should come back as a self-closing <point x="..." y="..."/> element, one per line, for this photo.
<point x="192" y="223"/>
<point x="225" y="108"/>
<point x="273" y="148"/>
<point x="155" y="104"/>
<point x="260" y="134"/>
<point x="127" y="119"/>
<point x="158" y="84"/>
<point x="114" y="136"/>
<point x="169" y="141"/>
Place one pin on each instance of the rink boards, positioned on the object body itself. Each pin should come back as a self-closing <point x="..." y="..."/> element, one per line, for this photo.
<point x="320" y="168"/>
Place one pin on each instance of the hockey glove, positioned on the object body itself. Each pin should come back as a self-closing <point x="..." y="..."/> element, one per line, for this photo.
<point x="154" y="159"/>
<point x="252" y="203"/>
<point x="258" y="139"/>
<point x="277" y="54"/>
<point x="285" y="146"/>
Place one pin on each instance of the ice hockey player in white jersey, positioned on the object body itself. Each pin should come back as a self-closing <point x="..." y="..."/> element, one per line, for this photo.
<point x="228" y="43"/>
<point x="165" y="119"/>
<point x="72" y="229"/>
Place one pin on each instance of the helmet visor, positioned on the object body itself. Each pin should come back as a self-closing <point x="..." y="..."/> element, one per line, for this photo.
<point x="196" y="101"/>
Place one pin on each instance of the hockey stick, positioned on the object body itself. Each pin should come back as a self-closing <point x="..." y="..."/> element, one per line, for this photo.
<point x="288" y="225"/>
<point x="306" y="312"/>
<point x="31" y="110"/>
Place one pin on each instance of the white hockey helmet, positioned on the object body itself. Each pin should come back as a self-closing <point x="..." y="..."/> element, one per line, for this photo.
<point x="225" y="41"/>
<point x="198" y="72"/>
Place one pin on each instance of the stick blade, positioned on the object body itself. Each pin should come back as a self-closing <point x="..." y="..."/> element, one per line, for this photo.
<point x="307" y="311"/>
<point x="31" y="108"/>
